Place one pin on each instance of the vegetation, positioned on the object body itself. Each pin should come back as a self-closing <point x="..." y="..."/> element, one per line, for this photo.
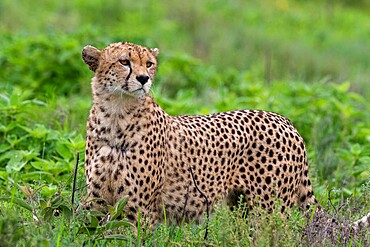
<point x="304" y="60"/>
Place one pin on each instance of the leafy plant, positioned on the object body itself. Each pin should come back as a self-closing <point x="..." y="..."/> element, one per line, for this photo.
<point x="303" y="60"/>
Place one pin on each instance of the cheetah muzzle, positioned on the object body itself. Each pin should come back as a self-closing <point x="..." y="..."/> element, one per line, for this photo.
<point x="135" y="149"/>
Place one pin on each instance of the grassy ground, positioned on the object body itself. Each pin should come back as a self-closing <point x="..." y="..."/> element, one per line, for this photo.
<point x="305" y="61"/>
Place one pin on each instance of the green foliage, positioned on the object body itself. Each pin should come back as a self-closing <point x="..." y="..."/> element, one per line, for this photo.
<point x="304" y="60"/>
<point x="59" y="70"/>
<point x="279" y="40"/>
<point x="29" y="149"/>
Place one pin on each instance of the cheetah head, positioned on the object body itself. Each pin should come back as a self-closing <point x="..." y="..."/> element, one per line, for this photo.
<point x="122" y="68"/>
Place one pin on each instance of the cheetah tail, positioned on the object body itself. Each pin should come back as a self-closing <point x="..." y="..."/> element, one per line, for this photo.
<point x="363" y="223"/>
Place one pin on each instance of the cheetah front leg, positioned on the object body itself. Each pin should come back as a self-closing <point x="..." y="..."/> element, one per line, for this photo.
<point x="144" y="204"/>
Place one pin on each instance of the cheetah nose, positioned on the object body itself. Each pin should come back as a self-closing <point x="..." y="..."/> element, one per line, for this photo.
<point x="142" y="79"/>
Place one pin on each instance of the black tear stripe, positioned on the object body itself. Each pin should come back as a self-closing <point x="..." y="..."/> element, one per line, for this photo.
<point x="129" y="74"/>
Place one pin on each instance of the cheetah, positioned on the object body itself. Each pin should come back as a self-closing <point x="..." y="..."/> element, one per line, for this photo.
<point x="135" y="149"/>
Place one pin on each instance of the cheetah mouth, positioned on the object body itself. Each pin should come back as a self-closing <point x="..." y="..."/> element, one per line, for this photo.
<point x="135" y="93"/>
<point x="126" y="90"/>
<point x="138" y="90"/>
<point x="129" y="90"/>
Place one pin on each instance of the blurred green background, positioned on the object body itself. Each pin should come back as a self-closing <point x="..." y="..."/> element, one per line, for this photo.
<point x="307" y="60"/>
<point x="276" y="39"/>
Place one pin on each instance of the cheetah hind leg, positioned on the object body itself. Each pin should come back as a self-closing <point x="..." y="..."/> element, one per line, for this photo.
<point x="236" y="200"/>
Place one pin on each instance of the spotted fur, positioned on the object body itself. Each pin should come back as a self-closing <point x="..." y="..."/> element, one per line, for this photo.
<point x="134" y="148"/>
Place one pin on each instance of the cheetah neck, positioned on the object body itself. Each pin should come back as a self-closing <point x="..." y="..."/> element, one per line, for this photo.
<point x="115" y="104"/>
<point x="120" y="114"/>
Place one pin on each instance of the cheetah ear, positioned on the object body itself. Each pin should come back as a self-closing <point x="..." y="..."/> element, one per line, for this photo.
<point x="154" y="51"/>
<point x="91" y="55"/>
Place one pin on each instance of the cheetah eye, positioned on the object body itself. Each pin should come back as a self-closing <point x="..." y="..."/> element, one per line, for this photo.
<point x="149" y="64"/>
<point x="124" y="62"/>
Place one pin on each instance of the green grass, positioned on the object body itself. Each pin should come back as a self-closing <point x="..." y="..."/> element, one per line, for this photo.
<point x="305" y="61"/>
